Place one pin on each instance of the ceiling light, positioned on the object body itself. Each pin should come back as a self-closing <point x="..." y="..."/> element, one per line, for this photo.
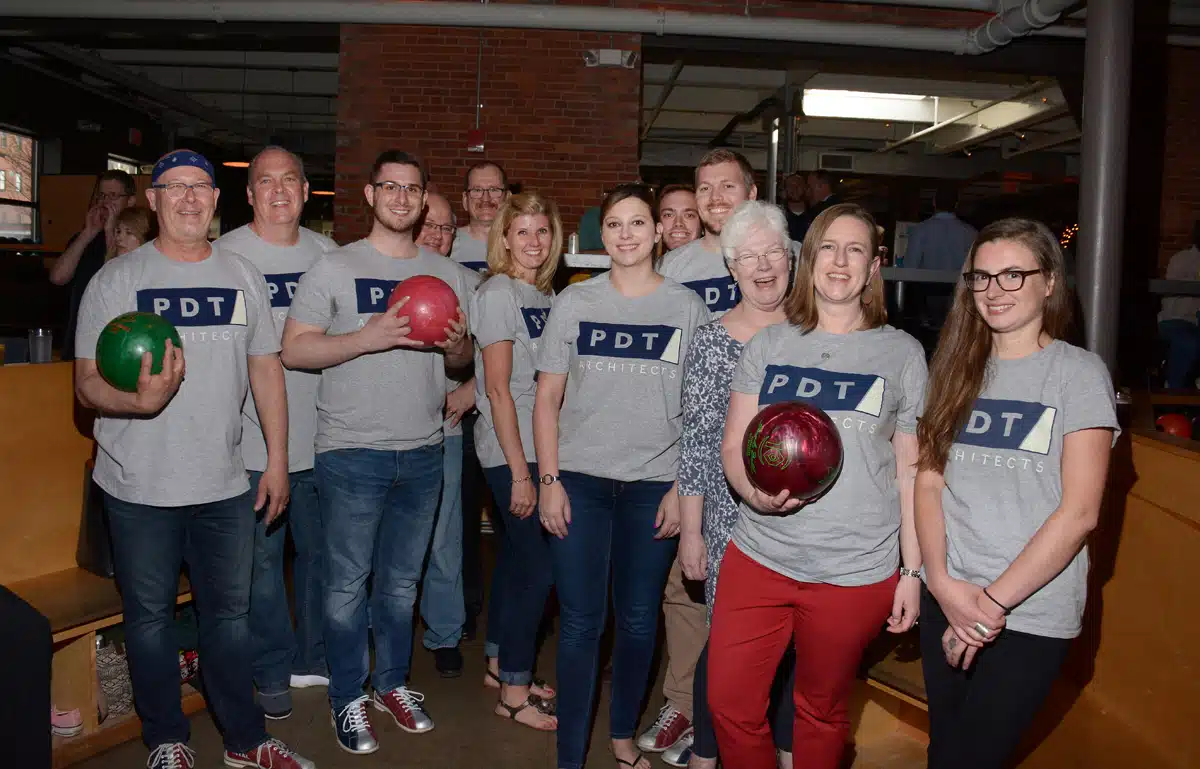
<point x="236" y="164"/>
<point x="322" y="192"/>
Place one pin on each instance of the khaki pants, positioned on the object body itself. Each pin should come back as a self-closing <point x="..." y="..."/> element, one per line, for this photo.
<point x="685" y="618"/>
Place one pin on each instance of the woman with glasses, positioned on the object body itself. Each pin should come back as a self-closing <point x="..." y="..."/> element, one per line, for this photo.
<point x="1014" y="450"/>
<point x="755" y="243"/>
<point x="508" y="314"/>
<point x="606" y="427"/>
<point x="822" y="576"/>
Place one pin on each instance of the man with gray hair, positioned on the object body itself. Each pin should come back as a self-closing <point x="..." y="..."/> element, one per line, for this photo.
<point x="276" y="244"/>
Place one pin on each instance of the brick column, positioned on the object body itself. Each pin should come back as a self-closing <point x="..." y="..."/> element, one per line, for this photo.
<point x="556" y="126"/>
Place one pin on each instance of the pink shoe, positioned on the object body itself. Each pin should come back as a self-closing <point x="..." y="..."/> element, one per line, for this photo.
<point x="65" y="723"/>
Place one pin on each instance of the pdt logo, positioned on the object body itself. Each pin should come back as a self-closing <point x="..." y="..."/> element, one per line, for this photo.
<point x="282" y="288"/>
<point x="1014" y="425"/>
<point x="627" y="340"/>
<point x="720" y="294"/>
<point x="826" y="390"/>
<point x="476" y="266"/>
<point x="535" y="320"/>
<point x="372" y="294"/>
<point x="195" y="306"/>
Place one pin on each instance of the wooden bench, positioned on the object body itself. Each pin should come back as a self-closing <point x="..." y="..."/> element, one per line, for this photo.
<point x="46" y="444"/>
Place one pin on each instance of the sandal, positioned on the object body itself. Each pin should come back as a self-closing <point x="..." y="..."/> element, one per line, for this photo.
<point x="634" y="762"/>
<point x="542" y="706"/>
<point x="540" y="683"/>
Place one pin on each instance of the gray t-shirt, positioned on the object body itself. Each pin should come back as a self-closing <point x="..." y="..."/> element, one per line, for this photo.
<point x="389" y="400"/>
<point x="468" y="251"/>
<point x="507" y="310"/>
<point x="188" y="454"/>
<point x="704" y="272"/>
<point x="1004" y="475"/>
<point x="472" y="279"/>
<point x="871" y="384"/>
<point x="622" y="413"/>
<point x="282" y="266"/>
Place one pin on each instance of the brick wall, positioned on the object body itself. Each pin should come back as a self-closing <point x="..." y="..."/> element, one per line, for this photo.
<point x="555" y="125"/>
<point x="1181" y="155"/>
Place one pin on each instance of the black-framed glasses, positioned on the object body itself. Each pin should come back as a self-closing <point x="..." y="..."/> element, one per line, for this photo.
<point x="1007" y="280"/>
<point x="393" y="188"/>
<point x="774" y="256"/>
<point x="477" y="193"/>
<point x="176" y="190"/>
<point x="445" y="229"/>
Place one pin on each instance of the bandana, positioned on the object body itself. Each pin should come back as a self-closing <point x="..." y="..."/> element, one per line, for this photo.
<point x="181" y="158"/>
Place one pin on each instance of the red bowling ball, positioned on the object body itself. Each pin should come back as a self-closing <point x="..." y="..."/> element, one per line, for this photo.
<point x="1175" y="424"/>
<point x="792" y="446"/>
<point x="431" y="306"/>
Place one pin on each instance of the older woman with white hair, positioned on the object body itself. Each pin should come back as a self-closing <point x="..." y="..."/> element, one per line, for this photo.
<point x="755" y="244"/>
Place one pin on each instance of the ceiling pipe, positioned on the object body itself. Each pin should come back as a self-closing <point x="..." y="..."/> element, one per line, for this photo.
<point x="1018" y="21"/>
<point x="1079" y="33"/>
<point x="986" y="6"/>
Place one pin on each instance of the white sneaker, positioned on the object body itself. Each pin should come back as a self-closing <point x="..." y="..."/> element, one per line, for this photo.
<point x="303" y="682"/>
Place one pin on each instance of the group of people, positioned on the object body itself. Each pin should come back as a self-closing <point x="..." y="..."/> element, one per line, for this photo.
<point x="608" y="421"/>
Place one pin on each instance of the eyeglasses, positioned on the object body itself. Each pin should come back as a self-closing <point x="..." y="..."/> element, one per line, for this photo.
<point x="392" y="188"/>
<point x="774" y="256"/>
<point x="477" y="193"/>
<point x="110" y="196"/>
<point x="176" y="190"/>
<point x="1009" y="280"/>
<point x="445" y="229"/>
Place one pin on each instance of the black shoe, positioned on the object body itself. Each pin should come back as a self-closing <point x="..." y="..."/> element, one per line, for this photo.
<point x="449" y="662"/>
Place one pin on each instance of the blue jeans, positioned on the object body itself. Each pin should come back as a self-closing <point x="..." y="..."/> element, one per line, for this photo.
<point x="150" y="545"/>
<point x="278" y="650"/>
<point x="612" y="527"/>
<point x="520" y="584"/>
<point x="378" y="509"/>
<point x="1183" y="350"/>
<point x="442" y="605"/>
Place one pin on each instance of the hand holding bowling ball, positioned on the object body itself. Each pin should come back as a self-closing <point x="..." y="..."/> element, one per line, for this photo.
<point x="141" y="353"/>
<point x="431" y="306"/>
<point x="792" y="453"/>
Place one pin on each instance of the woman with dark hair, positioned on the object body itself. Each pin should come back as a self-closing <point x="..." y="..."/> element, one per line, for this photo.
<point x="508" y="313"/>
<point x="606" y="428"/>
<point x="822" y="579"/>
<point x="1014" y="450"/>
<point x="132" y="227"/>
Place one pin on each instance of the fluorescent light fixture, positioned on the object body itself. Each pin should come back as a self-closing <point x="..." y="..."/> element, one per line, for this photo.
<point x="864" y="105"/>
<point x="323" y="192"/>
<point x="236" y="164"/>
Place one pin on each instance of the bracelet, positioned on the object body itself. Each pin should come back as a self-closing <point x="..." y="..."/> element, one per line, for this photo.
<point x="910" y="572"/>
<point x="1007" y="611"/>
<point x="522" y="480"/>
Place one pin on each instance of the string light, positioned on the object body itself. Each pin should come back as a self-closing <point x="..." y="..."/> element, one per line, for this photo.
<point x="1068" y="235"/>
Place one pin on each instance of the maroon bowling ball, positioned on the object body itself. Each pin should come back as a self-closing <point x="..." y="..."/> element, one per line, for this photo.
<point x="431" y="305"/>
<point x="792" y="446"/>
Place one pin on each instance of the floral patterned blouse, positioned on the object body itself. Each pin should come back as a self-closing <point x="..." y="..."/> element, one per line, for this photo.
<point x="708" y="372"/>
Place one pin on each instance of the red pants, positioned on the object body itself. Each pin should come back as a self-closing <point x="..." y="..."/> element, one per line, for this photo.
<point x="757" y="612"/>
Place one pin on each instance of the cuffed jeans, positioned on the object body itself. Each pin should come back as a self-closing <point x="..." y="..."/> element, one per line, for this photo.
<point x="612" y="527"/>
<point x="520" y="583"/>
<point x="279" y="651"/>
<point x="442" y="606"/>
<point x="150" y="545"/>
<point x="378" y="509"/>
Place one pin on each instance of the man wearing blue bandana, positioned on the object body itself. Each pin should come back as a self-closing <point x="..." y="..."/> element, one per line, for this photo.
<point x="170" y="462"/>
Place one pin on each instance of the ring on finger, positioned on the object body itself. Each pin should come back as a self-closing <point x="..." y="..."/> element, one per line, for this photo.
<point x="982" y="629"/>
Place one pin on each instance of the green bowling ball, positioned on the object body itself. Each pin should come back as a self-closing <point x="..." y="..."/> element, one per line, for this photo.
<point x="122" y="343"/>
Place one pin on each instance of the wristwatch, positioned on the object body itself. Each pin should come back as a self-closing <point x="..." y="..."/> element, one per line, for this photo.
<point x="548" y="479"/>
<point x="910" y="572"/>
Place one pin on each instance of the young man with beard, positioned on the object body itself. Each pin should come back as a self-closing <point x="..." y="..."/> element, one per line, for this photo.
<point x="679" y="216"/>
<point x="485" y="187"/>
<point x="379" y="443"/>
<point x="442" y="606"/>
<point x="170" y="462"/>
<point x="275" y="243"/>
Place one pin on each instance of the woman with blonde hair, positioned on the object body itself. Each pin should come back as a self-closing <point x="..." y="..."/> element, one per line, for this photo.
<point x="508" y="314"/>
<point x="822" y="578"/>
<point x="1014" y="450"/>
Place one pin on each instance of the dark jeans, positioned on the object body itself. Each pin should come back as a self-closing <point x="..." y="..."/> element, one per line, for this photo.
<point x="1183" y="351"/>
<point x="150" y="546"/>
<point x="278" y="650"/>
<point x="520" y="583"/>
<point x="611" y="531"/>
<point x="378" y="509"/>
<point x="782" y="707"/>
<point x="977" y="717"/>
<point x="25" y="651"/>
<point x="474" y="494"/>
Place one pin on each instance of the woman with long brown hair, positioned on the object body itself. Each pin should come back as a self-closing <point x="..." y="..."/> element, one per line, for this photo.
<point x="823" y="578"/>
<point x="1014" y="450"/>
